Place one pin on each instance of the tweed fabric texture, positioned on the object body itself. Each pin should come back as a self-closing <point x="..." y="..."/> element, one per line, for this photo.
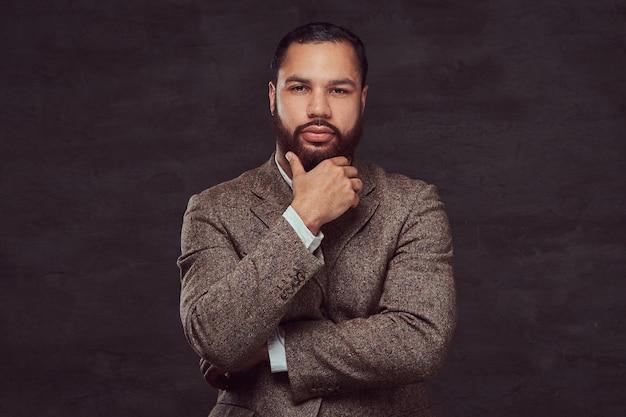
<point x="368" y="317"/>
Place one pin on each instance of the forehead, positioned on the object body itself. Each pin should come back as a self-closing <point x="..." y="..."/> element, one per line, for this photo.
<point x="329" y="60"/>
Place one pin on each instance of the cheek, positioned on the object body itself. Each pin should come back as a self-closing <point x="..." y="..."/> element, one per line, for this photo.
<point x="348" y="115"/>
<point x="290" y="110"/>
<point x="286" y="117"/>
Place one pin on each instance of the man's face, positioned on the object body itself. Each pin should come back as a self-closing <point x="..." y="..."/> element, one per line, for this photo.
<point x="317" y="102"/>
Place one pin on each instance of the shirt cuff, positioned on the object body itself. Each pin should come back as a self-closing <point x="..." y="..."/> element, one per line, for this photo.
<point x="276" y="351"/>
<point x="311" y="241"/>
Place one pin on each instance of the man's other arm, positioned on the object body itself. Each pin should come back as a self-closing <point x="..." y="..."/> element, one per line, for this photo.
<point x="406" y="341"/>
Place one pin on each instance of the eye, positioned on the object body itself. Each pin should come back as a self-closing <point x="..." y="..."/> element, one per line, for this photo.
<point x="339" y="91"/>
<point x="298" y="88"/>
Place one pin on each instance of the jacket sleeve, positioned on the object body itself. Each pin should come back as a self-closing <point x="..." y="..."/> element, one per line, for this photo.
<point x="406" y="341"/>
<point x="230" y="301"/>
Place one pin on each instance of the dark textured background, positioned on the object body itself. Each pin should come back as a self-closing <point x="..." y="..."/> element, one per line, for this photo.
<point x="113" y="113"/>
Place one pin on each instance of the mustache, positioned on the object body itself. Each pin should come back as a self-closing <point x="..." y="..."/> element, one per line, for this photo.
<point x="318" y="122"/>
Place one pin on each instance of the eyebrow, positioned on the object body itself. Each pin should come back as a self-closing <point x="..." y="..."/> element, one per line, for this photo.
<point x="331" y="83"/>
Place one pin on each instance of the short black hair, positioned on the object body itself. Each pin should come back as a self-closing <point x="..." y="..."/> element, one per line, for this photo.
<point x="314" y="33"/>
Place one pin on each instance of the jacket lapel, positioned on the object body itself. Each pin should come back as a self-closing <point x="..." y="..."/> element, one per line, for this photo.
<point x="273" y="192"/>
<point x="339" y="232"/>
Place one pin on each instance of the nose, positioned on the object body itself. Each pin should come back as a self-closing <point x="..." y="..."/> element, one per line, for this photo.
<point x="318" y="107"/>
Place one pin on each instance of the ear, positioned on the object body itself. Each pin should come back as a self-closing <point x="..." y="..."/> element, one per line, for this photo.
<point x="363" y="98"/>
<point x="271" y="93"/>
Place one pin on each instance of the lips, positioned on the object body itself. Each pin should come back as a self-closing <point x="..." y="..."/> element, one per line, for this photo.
<point x="318" y="134"/>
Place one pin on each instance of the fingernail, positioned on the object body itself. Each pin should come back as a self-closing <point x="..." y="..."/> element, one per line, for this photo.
<point x="288" y="156"/>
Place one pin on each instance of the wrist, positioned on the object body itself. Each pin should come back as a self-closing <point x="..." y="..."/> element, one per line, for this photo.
<point x="310" y="220"/>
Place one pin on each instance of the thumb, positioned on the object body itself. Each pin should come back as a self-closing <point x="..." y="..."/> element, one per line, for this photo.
<point x="295" y="164"/>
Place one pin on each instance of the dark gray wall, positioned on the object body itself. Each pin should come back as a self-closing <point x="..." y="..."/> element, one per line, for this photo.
<point x="113" y="113"/>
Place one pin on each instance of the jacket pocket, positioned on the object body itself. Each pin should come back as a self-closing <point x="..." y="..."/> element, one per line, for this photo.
<point x="230" y="410"/>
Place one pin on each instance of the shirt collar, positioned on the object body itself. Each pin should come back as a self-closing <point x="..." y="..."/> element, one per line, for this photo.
<point x="283" y="173"/>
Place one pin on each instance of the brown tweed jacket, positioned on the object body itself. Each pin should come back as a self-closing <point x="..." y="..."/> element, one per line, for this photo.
<point x="367" y="317"/>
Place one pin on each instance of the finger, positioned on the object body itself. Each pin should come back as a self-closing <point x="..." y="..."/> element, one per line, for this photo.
<point x="216" y="378"/>
<point x="350" y="171"/>
<point x="340" y="161"/>
<point x="295" y="164"/>
<point x="356" y="201"/>
<point x="204" y="366"/>
<point x="357" y="184"/>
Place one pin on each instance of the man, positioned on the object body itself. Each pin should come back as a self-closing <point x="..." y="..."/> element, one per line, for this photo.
<point x="317" y="284"/>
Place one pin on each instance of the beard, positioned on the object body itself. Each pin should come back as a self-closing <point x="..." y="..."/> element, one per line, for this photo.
<point x="345" y="143"/>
